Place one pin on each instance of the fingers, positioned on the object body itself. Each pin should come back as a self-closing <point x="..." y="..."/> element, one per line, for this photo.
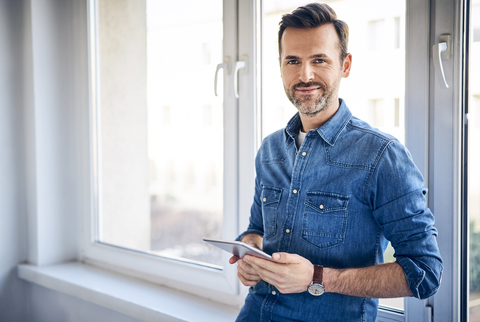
<point x="247" y="274"/>
<point x="289" y="273"/>
<point x="233" y="259"/>
<point x="261" y="263"/>
<point x="247" y="282"/>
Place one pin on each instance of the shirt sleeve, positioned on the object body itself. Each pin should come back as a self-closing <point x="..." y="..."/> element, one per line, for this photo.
<point x="255" y="225"/>
<point x="397" y="195"/>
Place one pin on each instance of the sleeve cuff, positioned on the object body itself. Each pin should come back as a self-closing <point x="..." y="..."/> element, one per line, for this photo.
<point x="421" y="285"/>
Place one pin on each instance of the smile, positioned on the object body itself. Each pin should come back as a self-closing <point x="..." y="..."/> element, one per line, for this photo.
<point x="307" y="90"/>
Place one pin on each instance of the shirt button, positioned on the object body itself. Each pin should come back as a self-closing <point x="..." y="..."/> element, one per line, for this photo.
<point x="295" y="191"/>
<point x="304" y="153"/>
<point x="287" y="231"/>
<point x="274" y="293"/>
<point x="321" y="206"/>
<point x="264" y="199"/>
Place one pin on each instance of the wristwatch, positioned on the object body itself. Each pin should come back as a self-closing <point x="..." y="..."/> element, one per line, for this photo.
<point x="316" y="287"/>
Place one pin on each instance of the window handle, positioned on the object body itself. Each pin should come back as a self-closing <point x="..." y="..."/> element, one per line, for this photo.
<point x="238" y="65"/>
<point x="223" y="66"/>
<point x="442" y="47"/>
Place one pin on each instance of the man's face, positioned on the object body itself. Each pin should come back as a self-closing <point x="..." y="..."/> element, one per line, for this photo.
<point x="311" y="69"/>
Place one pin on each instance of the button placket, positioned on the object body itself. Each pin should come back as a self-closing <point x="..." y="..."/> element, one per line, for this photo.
<point x="293" y="199"/>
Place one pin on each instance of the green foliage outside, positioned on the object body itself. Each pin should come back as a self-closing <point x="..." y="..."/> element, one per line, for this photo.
<point x="474" y="259"/>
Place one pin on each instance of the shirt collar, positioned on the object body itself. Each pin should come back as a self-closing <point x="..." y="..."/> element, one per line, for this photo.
<point x="329" y="131"/>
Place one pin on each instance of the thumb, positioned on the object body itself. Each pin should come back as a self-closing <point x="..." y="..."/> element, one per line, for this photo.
<point x="282" y="258"/>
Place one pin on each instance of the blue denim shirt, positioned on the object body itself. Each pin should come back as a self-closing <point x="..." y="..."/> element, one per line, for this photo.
<point x="337" y="201"/>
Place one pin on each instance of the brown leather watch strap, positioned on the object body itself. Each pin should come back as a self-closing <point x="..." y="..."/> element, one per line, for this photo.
<point x="317" y="274"/>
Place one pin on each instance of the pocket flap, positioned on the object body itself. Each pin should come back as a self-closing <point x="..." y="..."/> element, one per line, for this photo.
<point x="271" y="195"/>
<point x="326" y="201"/>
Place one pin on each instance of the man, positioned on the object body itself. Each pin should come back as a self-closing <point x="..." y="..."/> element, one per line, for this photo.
<point x="330" y="192"/>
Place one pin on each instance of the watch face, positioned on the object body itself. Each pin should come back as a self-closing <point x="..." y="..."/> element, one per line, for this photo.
<point x="316" y="289"/>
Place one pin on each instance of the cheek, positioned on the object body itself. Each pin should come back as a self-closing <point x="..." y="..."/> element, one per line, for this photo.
<point x="289" y="82"/>
<point x="285" y="82"/>
<point x="288" y="76"/>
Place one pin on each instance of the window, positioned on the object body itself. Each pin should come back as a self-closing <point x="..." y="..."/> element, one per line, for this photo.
<point x="376" y="112"/>
<point x="376" y="34"/>
<point x="156" y="109"/>
<point x="475" y="21"/>
<point x="166" y="149"/>
<point x="396" y="33"/>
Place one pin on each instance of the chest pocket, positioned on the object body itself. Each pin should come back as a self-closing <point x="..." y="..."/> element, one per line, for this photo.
<point x="270" y="201"/>
<point x="325" y="219"/>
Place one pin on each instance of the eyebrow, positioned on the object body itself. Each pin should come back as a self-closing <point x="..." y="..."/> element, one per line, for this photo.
<point x="311" y="57"/>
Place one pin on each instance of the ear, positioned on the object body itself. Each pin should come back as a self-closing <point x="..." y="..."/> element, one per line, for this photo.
<point x="347" y="65"/>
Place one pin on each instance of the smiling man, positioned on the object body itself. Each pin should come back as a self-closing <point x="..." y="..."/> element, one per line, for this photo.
<point x="330" y="192"/>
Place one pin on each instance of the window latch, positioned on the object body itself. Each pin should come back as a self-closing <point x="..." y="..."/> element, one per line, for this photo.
<point x="225" y="67"/>
<point x="238" y="65"/>
<point x="442" y="51"/>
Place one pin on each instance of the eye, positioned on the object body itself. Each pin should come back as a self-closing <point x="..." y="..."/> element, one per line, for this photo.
<point x="319" y="61"/>
<point x="292" y="62"/>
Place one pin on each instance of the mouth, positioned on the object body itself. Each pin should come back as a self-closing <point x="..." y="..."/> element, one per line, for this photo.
<point x="307" y="90"/>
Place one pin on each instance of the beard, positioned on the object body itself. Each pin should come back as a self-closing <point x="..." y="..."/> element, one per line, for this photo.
<point x="308" y="104"/>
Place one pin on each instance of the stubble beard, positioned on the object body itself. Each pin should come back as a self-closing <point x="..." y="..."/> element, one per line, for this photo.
<point x="305" y="105"/>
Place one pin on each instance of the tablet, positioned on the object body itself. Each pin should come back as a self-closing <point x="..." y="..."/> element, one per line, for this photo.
<point x="238" y="248"/>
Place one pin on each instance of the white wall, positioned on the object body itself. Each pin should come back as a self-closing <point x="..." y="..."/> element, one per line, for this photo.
<point x="13" y="233"/>
<point x="51" y="306"/>
<point x="20" y="300"/>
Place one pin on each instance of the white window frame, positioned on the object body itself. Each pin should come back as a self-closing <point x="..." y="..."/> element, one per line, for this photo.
<point x="434" y="136"/>
<point x="220" y="284"/>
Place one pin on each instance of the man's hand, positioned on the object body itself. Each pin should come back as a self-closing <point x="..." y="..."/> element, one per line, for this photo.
<point x="245" y="272"/>
<point x="289" y="274"/>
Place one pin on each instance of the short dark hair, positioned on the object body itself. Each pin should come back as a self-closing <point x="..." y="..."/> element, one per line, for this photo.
<point x="311" y="16"/>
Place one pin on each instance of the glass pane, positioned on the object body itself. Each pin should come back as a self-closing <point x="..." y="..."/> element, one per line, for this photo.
<point x="377" y="39"/>
<point x="161" y="127"/>
<point x="473" y="161"/>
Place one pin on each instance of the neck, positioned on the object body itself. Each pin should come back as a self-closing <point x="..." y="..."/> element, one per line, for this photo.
<point x="313" y="121"/>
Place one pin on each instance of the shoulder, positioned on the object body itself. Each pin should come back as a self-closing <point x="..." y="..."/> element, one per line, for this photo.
<point x="359" y="127"/>
<point x="369" y="138"/>
<point x="360" y="146"/>
<point x="273" y="138"/>
<point x="273" y="148"/>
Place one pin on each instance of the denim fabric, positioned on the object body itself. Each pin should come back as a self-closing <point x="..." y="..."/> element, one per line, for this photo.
<point x="346" y="192"/>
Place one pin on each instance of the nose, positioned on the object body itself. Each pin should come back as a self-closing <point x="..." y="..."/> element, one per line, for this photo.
<point x="306" y="73"/>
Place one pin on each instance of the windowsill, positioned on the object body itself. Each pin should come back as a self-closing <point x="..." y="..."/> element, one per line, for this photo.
<point x="132" y="297"/>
